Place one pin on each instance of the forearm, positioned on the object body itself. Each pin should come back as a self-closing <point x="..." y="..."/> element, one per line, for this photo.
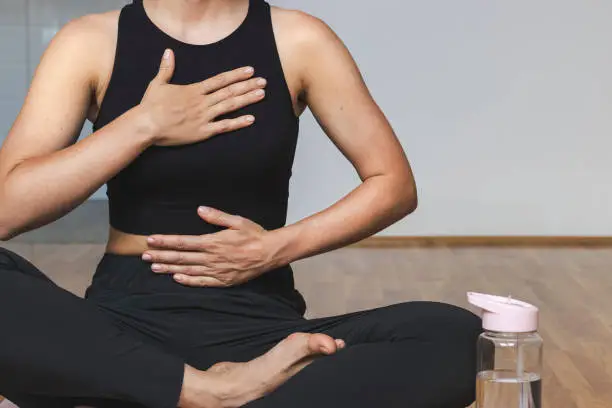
<point x="376" y="204"/>
<point x="40" y="190"/>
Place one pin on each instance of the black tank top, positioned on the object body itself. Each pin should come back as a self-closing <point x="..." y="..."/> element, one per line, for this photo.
<point x="245" y="172"/>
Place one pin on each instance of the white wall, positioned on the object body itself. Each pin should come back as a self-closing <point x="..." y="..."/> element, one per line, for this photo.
<point x="504" y="108"/>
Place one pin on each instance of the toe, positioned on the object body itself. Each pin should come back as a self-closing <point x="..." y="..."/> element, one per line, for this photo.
<point x="322" y="343"/>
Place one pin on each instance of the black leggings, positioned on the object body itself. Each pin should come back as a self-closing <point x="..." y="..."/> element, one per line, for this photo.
<point x="126" y="344"/>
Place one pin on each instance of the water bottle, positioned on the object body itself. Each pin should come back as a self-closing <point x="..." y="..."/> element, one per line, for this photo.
<point x="509" y="354"/>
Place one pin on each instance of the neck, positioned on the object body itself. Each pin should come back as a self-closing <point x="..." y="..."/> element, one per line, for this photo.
<point x="195" y="11"/>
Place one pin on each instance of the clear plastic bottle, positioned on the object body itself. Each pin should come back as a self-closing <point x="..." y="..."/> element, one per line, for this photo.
<point x="509" y="354"/>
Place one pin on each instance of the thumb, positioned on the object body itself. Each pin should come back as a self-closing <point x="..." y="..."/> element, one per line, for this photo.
<point x="216" y="217"/>
<point x="166" y="69"/>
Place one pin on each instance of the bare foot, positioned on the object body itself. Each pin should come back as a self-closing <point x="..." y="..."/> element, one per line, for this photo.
<point x="229" y="385"/>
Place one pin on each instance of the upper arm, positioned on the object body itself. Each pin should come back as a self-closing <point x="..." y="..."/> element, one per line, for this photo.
<point x="334" y="90"/>
<point x="59" y="97"/>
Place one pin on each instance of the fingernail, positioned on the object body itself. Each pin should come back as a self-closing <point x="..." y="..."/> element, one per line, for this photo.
<point x="259" y="92"/>
<point x="248" y="70"/>
<point x="261" y="81"/>
<point x="147" y="257"/>
<point x="250" y="119"/>
<point x="178" y="277"/>
<point x="203" y="209"/>
<point x="151" y="240"/>
<point x="166" y="54"/>
<point x="156" y="267"/>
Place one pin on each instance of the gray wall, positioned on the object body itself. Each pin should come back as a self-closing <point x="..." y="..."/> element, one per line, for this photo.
<point x="504" y="108"/>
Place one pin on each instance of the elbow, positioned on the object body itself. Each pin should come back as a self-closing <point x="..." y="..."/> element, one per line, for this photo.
<point x="6" y="233"/>
<point x="411" y="204"/>
<point x="409" y="201"/>
<point x="5" y="229"/>
<point x="8" y="225"/>
<point x="8" y="229"/>
<point x="414" y="204"/>
<point x="406" y="194"/>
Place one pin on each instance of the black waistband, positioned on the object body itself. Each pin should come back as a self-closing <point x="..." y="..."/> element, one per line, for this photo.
<point x="120" y="277"/>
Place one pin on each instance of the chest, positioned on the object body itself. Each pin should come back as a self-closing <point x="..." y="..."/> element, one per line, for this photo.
<point x="260" y="153"/>
<point x="134" y="79"/>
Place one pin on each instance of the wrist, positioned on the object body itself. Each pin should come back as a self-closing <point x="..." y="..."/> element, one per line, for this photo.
<point x="145" y="124"/>
<point x="283" y="244"/>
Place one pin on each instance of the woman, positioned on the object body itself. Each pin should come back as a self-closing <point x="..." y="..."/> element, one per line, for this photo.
<point x="197" y="155"/>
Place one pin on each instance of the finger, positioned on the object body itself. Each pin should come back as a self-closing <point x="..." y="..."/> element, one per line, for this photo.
<point x="190" y="270"/>
<point x="228" y="125"/>
<point x="217" y="217"/>
<point x="237" y="102"/>
<point x="175" y="257"/>
<point x="340" y="344"/>
<point x="176" y="242"/>
<point x="237" y="89"/>
<point x="199" y="281"/>
<point x="166" y="68"/>
<point x="224" y="79"/>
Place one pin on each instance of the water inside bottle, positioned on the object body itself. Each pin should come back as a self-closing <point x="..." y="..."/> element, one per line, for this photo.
<point x="504" y="389"/>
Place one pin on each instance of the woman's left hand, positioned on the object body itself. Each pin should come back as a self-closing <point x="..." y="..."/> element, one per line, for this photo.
<point x="230" y="257"/>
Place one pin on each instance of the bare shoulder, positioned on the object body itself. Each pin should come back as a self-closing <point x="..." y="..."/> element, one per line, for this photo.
<point x="300" y="28"/>
<point x="302" y="40"/>
<point x="90" y="40"/>
<point x="97" y="23"/>
<point x="87" y="33"/>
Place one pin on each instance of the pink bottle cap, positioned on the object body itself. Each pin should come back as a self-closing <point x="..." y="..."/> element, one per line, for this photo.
<point x="504" y="314"/>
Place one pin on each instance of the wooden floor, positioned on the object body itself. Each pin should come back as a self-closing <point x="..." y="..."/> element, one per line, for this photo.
<point x="573" y="288"/>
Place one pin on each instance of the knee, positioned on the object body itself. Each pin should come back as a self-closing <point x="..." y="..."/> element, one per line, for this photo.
<point x="459" y="322"/>
<point x="457" y="335"/>
<point x="11" y="262"/>
<point x="442" y="321"/>
<point x="14" y="266"/>
<point x="451" y="333"/>
<point x="8" y="259"/>
<point x="463" y="318"/>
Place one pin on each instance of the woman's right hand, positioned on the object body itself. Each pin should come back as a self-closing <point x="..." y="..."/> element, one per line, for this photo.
<point x="185" y="114"/>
